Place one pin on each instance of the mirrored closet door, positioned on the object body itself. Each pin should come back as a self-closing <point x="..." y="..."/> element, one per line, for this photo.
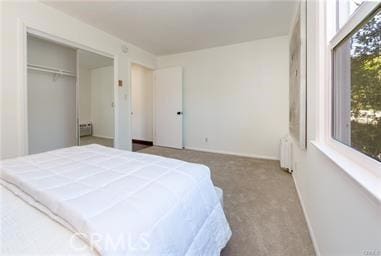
<point x="95" y="99"/>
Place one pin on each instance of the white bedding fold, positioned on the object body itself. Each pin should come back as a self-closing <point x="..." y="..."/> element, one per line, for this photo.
<point x="124" y="202"/>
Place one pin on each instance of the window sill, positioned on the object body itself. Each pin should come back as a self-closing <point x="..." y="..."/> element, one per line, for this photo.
<point x="363" y="176"/>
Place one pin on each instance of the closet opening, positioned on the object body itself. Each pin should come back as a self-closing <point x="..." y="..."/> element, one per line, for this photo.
<point x="70" y="96"/>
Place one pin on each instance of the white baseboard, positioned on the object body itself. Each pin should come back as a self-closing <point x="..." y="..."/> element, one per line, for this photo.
<point x="312" y="234"/>
<point x="102" y="136"/>
<point x="233" y="153"/>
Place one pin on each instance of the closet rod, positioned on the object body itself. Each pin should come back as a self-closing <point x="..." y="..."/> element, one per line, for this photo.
<point x="50" y="70"/>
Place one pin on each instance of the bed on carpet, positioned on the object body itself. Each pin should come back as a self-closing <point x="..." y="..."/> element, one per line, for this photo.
<point x="120" y="202"/>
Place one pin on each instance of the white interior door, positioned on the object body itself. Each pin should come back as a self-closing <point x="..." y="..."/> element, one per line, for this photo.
<point x="168" y="107"/>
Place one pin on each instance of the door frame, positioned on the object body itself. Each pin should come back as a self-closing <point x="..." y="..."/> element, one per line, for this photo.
<point x="24" y="30"/>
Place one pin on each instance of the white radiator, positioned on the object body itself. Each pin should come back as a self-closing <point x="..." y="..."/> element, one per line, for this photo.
<point x="286" y="153"/>
<point x="85" y="129"/>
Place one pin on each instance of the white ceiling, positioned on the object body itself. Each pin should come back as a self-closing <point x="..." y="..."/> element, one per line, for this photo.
<point x="91" y="60"/>
<point x="172" y="27"/>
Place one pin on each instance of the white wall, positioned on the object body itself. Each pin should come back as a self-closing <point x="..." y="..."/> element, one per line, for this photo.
<point x="84" y="95"/>
<point x="35" y="14"/>
<point x="142" y="103"/>
<point x="236" y="96"/>
<point x="102" y="111"/>
<point x="344" y="219"/>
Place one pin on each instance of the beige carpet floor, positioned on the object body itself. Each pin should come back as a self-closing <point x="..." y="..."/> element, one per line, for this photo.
<point x="260" y="202"/>
<point x="86" y="140"/>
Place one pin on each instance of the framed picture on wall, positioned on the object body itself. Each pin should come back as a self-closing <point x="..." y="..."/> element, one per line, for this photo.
<point x="298" y="79"/>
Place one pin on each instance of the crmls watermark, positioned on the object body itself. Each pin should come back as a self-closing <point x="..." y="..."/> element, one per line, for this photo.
<point x="373" y="252"/>
<point x="123" y="242"/>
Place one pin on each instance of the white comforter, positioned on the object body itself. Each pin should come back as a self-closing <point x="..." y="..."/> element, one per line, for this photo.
<point x="27" y="231"/>
<point x="123" y="202"/>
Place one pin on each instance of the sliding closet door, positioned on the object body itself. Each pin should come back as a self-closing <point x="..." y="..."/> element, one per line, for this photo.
<point x="51" y="97"/>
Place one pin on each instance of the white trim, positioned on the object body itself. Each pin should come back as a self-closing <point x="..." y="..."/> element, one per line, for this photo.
<point x="77" y="103"/>
<point x="303" y="77"/>
<point x="23" y="88"/>
<point x="309" y="225"/>
<point x="357" y="157"/>
<point x="233" y="153"/>
<point x="24" y="30"/>
<point x="153" y="108"/>
<point x="1" y="83"/>
<point x="116" y="101"/>
<point x="361" y="13"/>
<point x="321" y="64"/>
<point x="364" y="177"/>
<point x="130" y="102"/>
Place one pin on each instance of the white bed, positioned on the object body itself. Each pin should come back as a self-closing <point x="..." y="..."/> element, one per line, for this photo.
<point x="120" y="202"/>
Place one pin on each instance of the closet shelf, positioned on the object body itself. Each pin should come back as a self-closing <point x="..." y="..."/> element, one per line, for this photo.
<point x="51" y="70"/>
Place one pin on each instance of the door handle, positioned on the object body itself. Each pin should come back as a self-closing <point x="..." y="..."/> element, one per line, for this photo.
<point x="179" y="113"/>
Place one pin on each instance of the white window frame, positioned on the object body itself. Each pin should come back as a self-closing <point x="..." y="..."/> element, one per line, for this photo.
<point x="363" y="169"/>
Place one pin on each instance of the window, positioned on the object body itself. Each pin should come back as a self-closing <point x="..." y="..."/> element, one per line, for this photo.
<point x="345" y="8"/>
<point x="356" y="91"/>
